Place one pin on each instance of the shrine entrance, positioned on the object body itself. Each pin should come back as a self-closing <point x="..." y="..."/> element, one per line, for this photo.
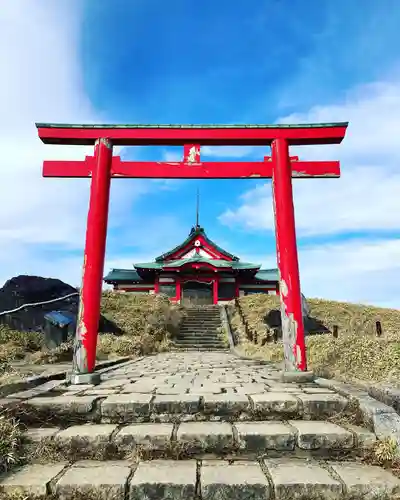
<point x="196" y="293"/>
<point x="103" y="166"/>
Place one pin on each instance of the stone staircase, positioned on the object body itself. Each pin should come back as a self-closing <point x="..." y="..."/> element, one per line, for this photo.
<point x="194" y="426"/>
<point x="201" y="330"/>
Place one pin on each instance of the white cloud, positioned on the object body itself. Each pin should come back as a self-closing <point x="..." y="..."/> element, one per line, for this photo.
<point x="366" y="196"/>
<point x="364" y="200"/>
<point x="42" y="82"/>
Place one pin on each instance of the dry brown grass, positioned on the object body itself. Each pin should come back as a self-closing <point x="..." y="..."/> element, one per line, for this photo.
<point x="357" y="354"/>
<point x="147" y="322"/>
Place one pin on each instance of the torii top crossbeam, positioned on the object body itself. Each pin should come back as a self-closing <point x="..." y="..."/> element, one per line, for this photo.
<point x="210" y="135"/>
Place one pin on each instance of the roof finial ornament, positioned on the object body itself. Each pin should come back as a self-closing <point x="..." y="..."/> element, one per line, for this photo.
<point x="197" y="208"/>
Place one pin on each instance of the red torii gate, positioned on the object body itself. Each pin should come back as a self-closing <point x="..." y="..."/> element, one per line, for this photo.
<point x="103" y="166"/>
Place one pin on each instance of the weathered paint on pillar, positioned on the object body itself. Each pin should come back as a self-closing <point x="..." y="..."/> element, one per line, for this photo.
<point x="289" y="280"/>
<point x="93" y="265"/>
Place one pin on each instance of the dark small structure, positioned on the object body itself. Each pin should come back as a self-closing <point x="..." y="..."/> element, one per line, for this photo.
<point x="58" y="328"/>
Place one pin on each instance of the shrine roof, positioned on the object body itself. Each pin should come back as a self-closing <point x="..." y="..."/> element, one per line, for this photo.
<point x="123" y="275"/>
<point x="196" y="231"/>
<point x="267" y="275"/>
<point x="220" y="263"/>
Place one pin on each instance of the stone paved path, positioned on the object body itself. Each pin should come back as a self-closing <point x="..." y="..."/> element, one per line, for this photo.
<point x="195" y="425"/>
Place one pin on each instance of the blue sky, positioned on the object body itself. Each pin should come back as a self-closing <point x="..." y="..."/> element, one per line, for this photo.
<point x="257" y="61"/>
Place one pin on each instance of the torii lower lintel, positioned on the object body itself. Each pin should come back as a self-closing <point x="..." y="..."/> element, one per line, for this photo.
<point x="103" y="167"/>
<point x="183" y="170"/>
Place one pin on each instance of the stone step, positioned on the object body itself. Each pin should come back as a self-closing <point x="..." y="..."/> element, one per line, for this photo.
<point x="197" y="439"/>
<point x="197" y="343"/>
<point x="145" y="401"/>
<point x="278" y="479"/>
<point x="199" y="338"/>
<point x="205" y="347"/>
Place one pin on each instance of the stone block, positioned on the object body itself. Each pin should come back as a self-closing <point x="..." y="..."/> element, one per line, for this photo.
<point x="210" y="437"/>
<point x="148" y="436"/>
<point x="104" y="482"/>
<point x="261" y="436"/>
<point x="366" y="482"/>
<point x="101" y="393"/>
<point x="314" y="435"/>
<point x="164" y="479"/>
<point x="173" y="404"/>
<point x="64" y="405"/>
<point x="30" y="480"/>
<point x="85" y="436"/>
<point x="364" y="437"/>
<point x="238" y="481"/>
<point x="226" y="404"/>
<point x="322" y="405"/>
<point x="40" y="434"/>
<point x="275" y="403"/>
<point x="249" y="388"/>
<point x="295" y="479"/>
<point x="125" y="407"/>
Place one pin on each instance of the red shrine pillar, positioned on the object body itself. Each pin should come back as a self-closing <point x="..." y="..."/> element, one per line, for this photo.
<point x="93" y="265"/>
<point x="289" y="280"/>
<point x="215" y="290"/>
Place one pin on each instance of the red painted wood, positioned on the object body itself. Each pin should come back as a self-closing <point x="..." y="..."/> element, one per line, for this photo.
<point x="292" y="317"/>
<point x="178" y="289"/>
<point x="180" y="170"/>
<point x="93" y="265"/>
<point x="203" y="136"/>
<point x="215" y="290"/>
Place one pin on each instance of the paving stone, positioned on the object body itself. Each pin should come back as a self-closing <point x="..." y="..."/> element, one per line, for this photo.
<point x="182" y="403"/>
<point x="170" y="390"/>
<point x="314" y="435"/>
<point x="110" y="384"/>
<point x="295" y="479"/>
<point x="138" y="389"/>
<point x="270" y="402"/>
<point x="149" y="436"/>
<point x="366" y="482"/>
<point x="90" y="435"/>
<point x="317" y="390"/>
<point x="226" y="404"/>
<point x="261" y="436"/>
<point x="238" y="481"/>
<point x="249" y="388"/>
<point x="212" y="437"/>
<point x="100" y="392"/>
<point x="124" y="407"/>
<point x="364" y="437"/>
<point x="31" y="480"/>
<point x="322" y="405"/>
<point x="37" y="435"/>
<point x="104" y="482"/>
<point x="64" y="404"/>
<point x="175" y="480"/>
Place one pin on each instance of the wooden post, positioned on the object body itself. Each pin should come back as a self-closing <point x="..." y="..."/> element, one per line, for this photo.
<point x="378" y="329"/>
<point x="84" y="357"/>
<point x="335" y="332"/>
<point x="291" y="311"/>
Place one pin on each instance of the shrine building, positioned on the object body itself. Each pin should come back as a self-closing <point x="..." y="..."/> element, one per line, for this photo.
<point x="196" y="272"/>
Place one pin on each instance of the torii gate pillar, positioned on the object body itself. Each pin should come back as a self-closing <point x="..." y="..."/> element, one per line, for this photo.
<point x="286" y="249"/>
<point x="84" y="359"/>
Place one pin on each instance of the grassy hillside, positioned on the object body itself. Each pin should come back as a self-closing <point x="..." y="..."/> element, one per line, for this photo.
<point x="357" y="353"/>
<point x="147" y="323"/>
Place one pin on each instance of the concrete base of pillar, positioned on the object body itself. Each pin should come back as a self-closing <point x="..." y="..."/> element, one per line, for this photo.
<point x="83" y="378"/>
<point x="297" y="377"/>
